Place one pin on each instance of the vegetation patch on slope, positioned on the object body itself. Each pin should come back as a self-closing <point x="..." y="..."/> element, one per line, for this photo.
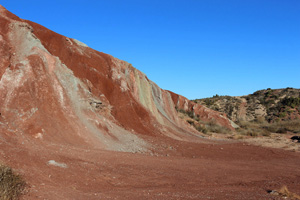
<point x="11" y="185"/>
<point x="205" y="127"/>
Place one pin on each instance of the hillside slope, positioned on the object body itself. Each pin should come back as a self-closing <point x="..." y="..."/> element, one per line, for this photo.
<point x="270" y="105"/>
<point x="56" y="89"/>
<point x="261" y="113"/>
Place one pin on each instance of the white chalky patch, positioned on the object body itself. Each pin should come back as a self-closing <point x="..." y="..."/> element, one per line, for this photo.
<point x="57" y="164"/>
<point x="124" y="86"/>
<point x="80" y="43"/>
<point x="39" y="136"/>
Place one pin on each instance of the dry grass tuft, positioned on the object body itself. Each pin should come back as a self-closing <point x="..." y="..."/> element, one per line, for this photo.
<point x="263" y="128"/>
<point x="252" y="129"/>
<point x="11" y="185"/>
<point x="284" y="126"/>
<point x="209" y="127"/>
<point x="286" y="193"/>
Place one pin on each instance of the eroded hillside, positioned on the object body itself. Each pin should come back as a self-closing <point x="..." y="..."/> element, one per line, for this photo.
<point x="273" y="110"/>
<point x="57" y="89"/>
<point x="270" y="105"/>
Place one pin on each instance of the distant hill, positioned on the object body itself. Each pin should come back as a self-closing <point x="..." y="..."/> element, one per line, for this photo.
<point x="268" y="107"/>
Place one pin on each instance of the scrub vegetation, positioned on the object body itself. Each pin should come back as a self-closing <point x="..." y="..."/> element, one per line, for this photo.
<point x="258" y="114"/>
<point x="12" y="185"/>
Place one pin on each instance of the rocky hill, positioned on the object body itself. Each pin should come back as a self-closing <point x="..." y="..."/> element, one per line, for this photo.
<point x="271" y="106"/>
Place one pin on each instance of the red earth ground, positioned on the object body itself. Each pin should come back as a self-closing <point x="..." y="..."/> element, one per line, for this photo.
<point x="176" y="170"/>
<point x="81" y="124"/>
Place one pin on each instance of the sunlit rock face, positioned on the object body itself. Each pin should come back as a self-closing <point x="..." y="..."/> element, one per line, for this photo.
<point x="56" y="89"/>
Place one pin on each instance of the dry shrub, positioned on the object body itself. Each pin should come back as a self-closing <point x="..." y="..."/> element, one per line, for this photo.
<point x="260" y="120"/>
<point x="246" y="124"/>
<point x="215" y="128"/>
<point x="11" y="185"/>
<point x="284" y="192"/>
<point x="262" y="128"/>
<point x="201" y="128"/>
<point x="284" y="126"/>
<point x="210" y="127"/>
<point x="252" y="129"/>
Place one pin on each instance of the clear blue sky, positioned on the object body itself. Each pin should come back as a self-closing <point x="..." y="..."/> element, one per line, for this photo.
<point x="197" y="48"/>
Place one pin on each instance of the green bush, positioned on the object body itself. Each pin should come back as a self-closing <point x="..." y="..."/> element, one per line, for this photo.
<point x="291" y="101"/>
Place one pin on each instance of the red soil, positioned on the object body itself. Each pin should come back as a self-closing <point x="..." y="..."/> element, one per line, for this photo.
<point x="177" y="170"/>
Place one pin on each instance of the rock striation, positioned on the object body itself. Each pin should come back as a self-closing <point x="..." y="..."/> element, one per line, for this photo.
<point x="54" y="89"/>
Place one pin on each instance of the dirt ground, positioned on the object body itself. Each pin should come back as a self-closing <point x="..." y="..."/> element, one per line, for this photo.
<point x="275" y="140"/>
<point x="204" y="169"/>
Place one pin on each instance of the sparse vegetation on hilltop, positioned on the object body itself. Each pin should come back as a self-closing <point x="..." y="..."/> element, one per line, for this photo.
<point x="261" y="113"/>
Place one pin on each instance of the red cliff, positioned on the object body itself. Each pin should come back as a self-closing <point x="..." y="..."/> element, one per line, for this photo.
<point x="57" y="89"/>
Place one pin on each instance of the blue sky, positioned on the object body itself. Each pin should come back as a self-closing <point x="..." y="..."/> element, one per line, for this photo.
<point x="196" y="48"/>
